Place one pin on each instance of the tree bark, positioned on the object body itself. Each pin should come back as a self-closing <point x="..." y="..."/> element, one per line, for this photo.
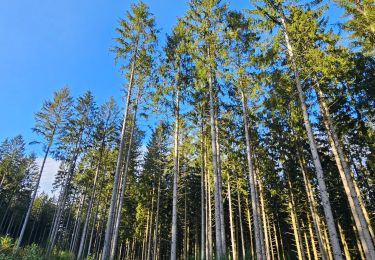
<point x="263" y="212"/>
<point x="35" y="191"/>
<point x="175" y="176"/>
<point x="314" y="151"/>
<point x="231" y="222"/>
<point x="64" y="195"/>
<point x="123" y="182"/>
<point x="312" y="206"/>
<point x="89" y="208"/>
<point x="111" y="216"/>
<point x="219" y="250"/>
<point x="203" y="210"/>
<point x="240" y="219"/>
<point x="252" y="183"/>
<point x="343" y="240"/>
<point x="156" y="223"/>
<point x="363" y="226"/>
<point x="222" y="226"/>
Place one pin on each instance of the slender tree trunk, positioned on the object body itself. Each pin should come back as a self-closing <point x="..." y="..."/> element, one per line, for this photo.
<point x="240" y="219"/>
<point x="175" y="176"/>
<point x="263" y="212"/>
<point x="185" y="224"/>
<point x="344" y="244"/>
<point x="252" y="183"/>
<point x="278" y="255"/>
<point x="146" y="237"/>
<point x="307" y="245"/>
<point x="3" y="220"/>
<point x="31" y="232"/>
<point x="270" y="237"/>
<point x="111" y="216"/>
<point x="218" y="245"/>
<point x="209" y="220"/>
<point x="325" y="239"/>
<point x="123" y="182"/>
<point x="35" y="191"/>
<point x="232" y="231"/>
<point x="281" y="242"/>
<point x="95" y="217"/>
<point x="362" y="225"/>
<point x="312" y="206"/>
<point x="64" y="195"/>
<point x="260" y="211"/>
<point x="91" y="202"/>
<point x="295" y="224"/>
<point x="250" y="228"/>
<point x="9" y="225"/>
<point x="314" y="151"/>
<point x="360" y="250"/>
<point x="151" y="224"/>
<point x="203" y="210"/>
<point x="156" y="223"/>
<point x="77" y="225"/>
<point x="222" y="226"/>
<point x="312" y="237"/>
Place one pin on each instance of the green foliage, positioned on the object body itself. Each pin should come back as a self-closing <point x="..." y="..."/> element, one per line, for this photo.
<point x="31" y="252"/>
<point x="245" y="57"/>
<point x="6" y="244"/>
<point x="360" y="23"/>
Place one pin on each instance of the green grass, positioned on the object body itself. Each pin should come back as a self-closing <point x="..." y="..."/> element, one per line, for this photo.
<point x="29" y="252"/>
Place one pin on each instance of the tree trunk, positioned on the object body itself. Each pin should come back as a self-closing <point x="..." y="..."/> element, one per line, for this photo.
<point x="185" y="249"/>
<point x="278" y="255"/>
<point x="88" y="214"/>
<point x="77" y="225"/>
<point x="252" y="183"/>
<point x="232" y="237"/>
<point x="250" y="229"/>
<point x="312" y="237"/>
<point x="312" y="206"/>
<point x="123" y="181"/>
<point x="270" y="237"/>
<point x="64" y="195"/>
<point x="263" y="212"/>
<point x="360" y="250"/>
<point x="314" y="151"/>
<point x="295" y="223"/>
<point x="151" y="224"/>
<point x="362" y="225"/>
<point x="203" y="210"/>
<point x="156" y="222"/>
<point x="35" y="191"/>
<point x="222" y="226"/>
<point x="145" y="237"/>
<point x="343" y="240"/>
<point x="218" y="237"/>
<point x="241" y="225"/>
<point x="95" y="217"/>
<point x="175" y="176"/>
<point x="111" y="216"/>
<point x="209" y="220"/>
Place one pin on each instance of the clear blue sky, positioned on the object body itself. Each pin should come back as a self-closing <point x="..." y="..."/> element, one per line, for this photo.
<point x="46" y="44"/>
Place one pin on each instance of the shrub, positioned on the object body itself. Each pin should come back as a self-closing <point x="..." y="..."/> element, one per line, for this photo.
<point x="32" y="252"/>
<point x="6" y="245"/>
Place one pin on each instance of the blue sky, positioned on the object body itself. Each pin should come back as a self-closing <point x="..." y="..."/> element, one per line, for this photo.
<point x="46" y="44"/>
